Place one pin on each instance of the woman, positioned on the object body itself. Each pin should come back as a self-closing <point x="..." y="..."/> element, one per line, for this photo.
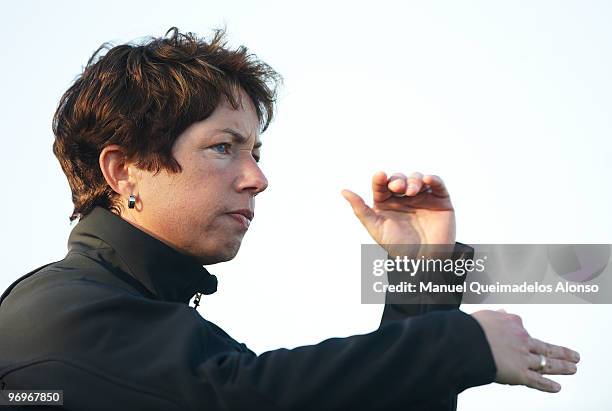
<point x="160" y="144"/>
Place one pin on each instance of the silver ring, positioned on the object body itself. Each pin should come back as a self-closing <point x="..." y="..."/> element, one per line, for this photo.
<point x="543" y="363"/>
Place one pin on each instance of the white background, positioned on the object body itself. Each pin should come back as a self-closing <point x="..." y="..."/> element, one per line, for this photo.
<point x="509" y="102"/>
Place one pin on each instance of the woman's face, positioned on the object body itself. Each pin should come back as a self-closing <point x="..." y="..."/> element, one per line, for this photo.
<point x="192" y="210"/>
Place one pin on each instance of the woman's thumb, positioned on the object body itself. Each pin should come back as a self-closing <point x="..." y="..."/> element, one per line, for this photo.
<point x="360" y="208"/>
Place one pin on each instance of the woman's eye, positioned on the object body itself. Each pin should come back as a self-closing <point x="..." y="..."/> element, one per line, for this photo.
<point x="223" y="146"/>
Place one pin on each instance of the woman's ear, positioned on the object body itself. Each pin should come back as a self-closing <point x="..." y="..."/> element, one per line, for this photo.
<point x="117" y="172"/>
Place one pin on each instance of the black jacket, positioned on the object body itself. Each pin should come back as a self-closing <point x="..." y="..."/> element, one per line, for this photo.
<point x="110" y="325"/>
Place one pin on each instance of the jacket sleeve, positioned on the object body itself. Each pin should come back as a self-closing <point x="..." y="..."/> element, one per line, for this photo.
<point x="403" y="365"/>
<point x="404" y="305"/>
<point x="125" y="351"/>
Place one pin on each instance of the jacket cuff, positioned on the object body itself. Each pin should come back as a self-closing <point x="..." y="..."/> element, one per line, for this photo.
<point x="472" y="344"/>
<point x="444" y="300"/>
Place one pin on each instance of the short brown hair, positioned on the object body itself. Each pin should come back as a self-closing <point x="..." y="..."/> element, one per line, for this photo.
<point x="142" y="97"/>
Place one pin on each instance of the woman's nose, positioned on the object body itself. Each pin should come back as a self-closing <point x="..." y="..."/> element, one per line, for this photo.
<point x="252" y="178"/>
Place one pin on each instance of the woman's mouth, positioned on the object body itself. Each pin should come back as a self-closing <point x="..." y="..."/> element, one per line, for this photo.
<point x="242" y="220"/>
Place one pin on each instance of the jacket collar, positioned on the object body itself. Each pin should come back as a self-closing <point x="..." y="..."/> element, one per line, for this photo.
<point x="167" y="273"/>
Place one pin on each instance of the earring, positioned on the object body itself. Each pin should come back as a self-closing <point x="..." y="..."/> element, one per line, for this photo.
<point x="131" y="201"/>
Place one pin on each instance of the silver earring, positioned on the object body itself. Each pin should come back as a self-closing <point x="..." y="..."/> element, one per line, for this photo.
<point x="131" y="201"/>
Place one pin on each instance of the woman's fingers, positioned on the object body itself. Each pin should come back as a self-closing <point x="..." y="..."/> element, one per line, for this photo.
<point x="397" y="184"/>
<point x="553" y="351"/>
<point x="380" y="189"/>
<point x="400" y="185"/>
<point x="557" y="360"/>
<point x="537" y="381"/>
<point x="552" y="366"/>
<point x="438" y="187"/>
<point x="414" y="183"/>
